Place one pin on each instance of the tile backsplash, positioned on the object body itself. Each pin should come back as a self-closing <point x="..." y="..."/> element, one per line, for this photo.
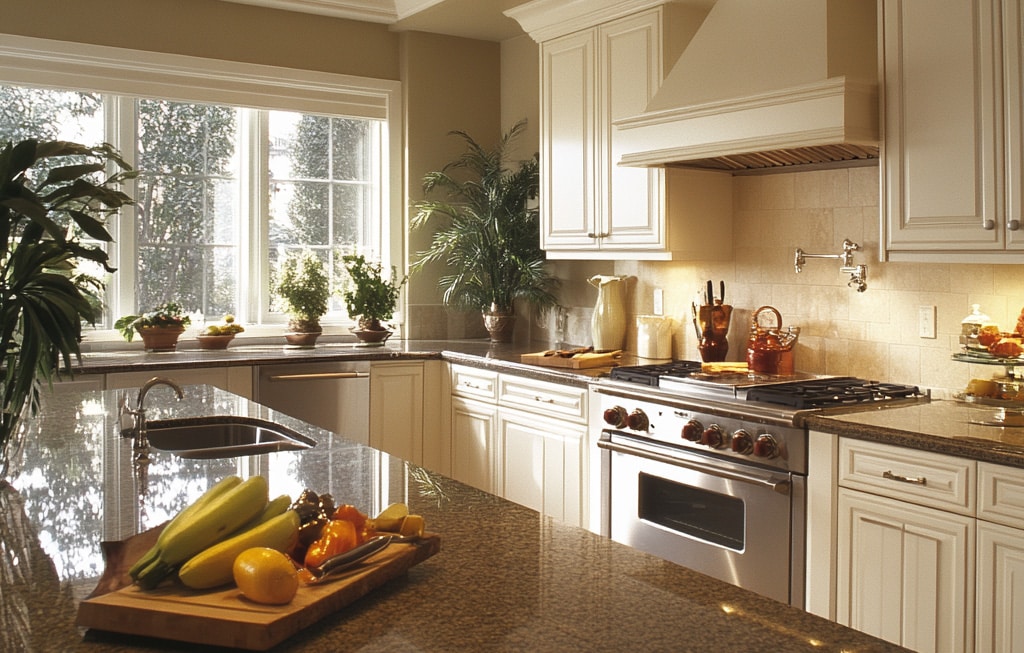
<point x="873" y="334"/>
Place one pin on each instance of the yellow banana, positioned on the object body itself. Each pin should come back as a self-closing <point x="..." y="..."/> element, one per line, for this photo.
<point x="213" y="567"/>
<point x="218" y="520"/>
<point x="181" y="518"/>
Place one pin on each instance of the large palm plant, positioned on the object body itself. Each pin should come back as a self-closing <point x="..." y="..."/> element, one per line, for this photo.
<point x="46" y="189"/>
<point x="487" y="234"/>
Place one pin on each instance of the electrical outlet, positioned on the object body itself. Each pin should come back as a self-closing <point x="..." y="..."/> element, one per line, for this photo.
<point x="659" y="301"/>
<point x="926" y="321"/>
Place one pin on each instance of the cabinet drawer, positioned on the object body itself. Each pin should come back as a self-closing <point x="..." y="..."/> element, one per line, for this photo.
<point x="475" y="383"/>
<point x="920" y="477"/>
<point x="541" y="397"/>
<point x="1001" y="494"/>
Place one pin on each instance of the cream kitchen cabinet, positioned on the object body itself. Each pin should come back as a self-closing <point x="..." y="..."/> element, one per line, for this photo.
<point x="405" y="412"/>
<point x="954" y="143"/>
<point x="592" y="208"/>
<point x="1000" y="563"/>
<point x="520" y="438"/>
<point x="906" y="537"/>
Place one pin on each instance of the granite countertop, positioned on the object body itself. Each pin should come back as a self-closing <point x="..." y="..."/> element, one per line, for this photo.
<point x="506" y="578"/>
<point x="951" y="427"/>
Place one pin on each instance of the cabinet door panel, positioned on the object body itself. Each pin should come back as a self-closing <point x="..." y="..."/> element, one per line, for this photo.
<point x="567" y="151"/>
<point x="942" y="94"/>
<point x="1000" y="588"/>
<point x="630" y="53"/>
<point x="905" y="572"/>
<point x="396" y="410"/>
<point x="473" y="432"/>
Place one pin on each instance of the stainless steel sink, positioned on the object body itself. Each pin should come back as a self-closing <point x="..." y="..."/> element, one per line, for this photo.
<point x="224" y="437"/>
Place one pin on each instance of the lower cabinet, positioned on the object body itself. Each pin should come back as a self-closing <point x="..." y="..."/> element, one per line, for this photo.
<point x="474" y="434"/>
<point x="405" y="412"/>
<point x="541" y="465"/>
<point x="1000" y="588"/>
<point x="521" y="439"/>
<point x="905" y="572"/>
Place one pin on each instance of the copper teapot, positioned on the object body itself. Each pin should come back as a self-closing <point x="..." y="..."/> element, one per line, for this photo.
<point x="770" y="348"/>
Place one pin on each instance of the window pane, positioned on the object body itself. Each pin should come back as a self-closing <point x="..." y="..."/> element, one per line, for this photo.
<point x="321" y="188"/>
<point x="188" y="207"/>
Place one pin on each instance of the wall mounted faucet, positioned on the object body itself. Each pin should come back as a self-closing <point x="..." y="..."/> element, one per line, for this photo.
<point x="858" y="273"/>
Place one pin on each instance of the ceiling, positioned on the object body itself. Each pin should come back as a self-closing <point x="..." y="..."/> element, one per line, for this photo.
<point x="477" y="19"/>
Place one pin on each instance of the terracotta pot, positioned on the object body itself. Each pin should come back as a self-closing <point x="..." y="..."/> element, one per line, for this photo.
<point x="160" y="338"/>
<point x="215" y="342"/>
<point x="372" y="336"/>
<point x="303" y="333"/>
<point x="500" y="324"/>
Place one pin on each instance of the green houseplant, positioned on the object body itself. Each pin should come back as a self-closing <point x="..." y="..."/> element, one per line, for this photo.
<point x="46" y="188"/>
<point x="487" y="233"/>
<point x="160" y="328"/>
<point x="303" y="288"/>
<point x="370" y="296"/>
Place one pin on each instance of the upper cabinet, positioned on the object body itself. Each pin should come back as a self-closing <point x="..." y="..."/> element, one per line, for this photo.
<point x="953" y="137"/>
<point x="597" y="67"/>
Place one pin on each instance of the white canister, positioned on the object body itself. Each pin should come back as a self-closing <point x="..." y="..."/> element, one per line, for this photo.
<point x="654" y="337"/>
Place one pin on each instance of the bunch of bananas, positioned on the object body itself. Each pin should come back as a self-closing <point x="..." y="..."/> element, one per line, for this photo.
<point x="202" y="541"/>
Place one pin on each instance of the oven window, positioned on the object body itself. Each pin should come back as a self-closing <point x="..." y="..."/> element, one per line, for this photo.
<point x="707" y="516"/>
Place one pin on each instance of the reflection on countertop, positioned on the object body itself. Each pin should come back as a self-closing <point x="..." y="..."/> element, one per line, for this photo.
<point x="506" y="578"/>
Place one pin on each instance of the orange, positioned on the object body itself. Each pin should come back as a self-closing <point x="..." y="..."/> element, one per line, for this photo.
<point x="265" y="575"/>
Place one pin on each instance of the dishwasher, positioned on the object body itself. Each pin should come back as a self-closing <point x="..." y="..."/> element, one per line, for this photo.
<point x="332" y="395"/>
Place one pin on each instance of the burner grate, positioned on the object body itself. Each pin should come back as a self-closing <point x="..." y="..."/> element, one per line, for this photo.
<point x="828" y="393"/>
<point x="648" y="374"/>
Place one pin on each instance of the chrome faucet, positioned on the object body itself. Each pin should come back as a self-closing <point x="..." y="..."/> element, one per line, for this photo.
<point x="132" y="421"/>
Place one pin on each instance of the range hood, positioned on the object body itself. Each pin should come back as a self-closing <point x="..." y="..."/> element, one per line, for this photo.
<point x="764" y="85"/>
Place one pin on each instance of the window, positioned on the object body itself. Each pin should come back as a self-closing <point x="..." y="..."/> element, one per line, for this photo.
<point x="229" y="180"/>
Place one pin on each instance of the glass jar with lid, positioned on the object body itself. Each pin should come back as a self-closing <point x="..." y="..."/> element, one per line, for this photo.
<point x="970" y="325"/>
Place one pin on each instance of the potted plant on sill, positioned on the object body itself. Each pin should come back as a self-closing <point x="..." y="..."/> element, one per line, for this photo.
<point x="304" y="290"/>
<point x="489" y="234"/>
<point x="160" y="328"/>
<point x="370" y="297"/>
<point x="45" y="188"/>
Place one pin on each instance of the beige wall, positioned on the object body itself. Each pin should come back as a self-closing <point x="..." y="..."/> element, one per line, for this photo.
<point x="219" y="30"/>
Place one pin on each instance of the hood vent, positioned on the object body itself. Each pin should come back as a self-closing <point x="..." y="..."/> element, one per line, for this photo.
<point x="766" y="85"/>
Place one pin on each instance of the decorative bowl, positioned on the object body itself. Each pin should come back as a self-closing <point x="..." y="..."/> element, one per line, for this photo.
<point x="215" y="342"/>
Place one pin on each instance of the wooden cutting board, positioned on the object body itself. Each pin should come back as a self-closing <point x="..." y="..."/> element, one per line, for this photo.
<point x="577" y="361"/>
<point x="224" y="617"/>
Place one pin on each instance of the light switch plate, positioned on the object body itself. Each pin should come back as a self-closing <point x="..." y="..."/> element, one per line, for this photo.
<point x="926" y="322"/>
<point x="659" y="301"/>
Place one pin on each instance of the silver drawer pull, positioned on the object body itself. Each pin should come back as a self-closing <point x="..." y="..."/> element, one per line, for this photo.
<point x="920" y="480"/>
<point x="543" y="399"/>
<point x="473" y="386"/>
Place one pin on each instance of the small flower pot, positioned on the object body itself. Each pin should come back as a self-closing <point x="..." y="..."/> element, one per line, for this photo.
<point x="160" y="338"/>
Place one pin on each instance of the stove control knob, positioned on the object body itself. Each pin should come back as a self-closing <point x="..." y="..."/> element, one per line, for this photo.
<point x="742" y="443"/>
<point x="765" y="446"/>
<point x="615" y="416"/>
<point x="637" y="420"/>
<point x="713" y="437"/>
<point x="692" y="430"/>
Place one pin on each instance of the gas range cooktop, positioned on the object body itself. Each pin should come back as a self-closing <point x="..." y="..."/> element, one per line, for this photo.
<point x="800" y="391"/>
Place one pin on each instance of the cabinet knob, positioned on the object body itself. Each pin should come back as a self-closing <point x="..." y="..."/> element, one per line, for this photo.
<point x="989" y="225"/>
<point x="1013" y="225"/>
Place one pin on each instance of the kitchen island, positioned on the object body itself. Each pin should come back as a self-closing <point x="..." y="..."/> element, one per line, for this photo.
<point x="506" y="578"/>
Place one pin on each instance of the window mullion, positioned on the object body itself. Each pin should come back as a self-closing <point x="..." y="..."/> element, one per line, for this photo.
<point x="122" y="131"/>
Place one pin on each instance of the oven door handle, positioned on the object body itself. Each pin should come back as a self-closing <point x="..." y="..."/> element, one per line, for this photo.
<point x="780" y="486"/>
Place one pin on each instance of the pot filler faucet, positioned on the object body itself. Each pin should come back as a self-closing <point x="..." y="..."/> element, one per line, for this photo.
<point x="132" y="421"/>
<point x="858" y="273"/>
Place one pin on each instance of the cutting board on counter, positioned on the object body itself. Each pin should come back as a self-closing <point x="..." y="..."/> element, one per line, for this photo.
<point x="576" y="361"/>
<point x="224" y="617"/>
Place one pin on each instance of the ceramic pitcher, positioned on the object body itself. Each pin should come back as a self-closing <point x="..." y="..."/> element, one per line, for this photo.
<point x="608" y="325"/>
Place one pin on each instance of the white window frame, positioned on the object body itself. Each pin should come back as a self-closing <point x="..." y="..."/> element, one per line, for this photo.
<point x="83" y="67"/>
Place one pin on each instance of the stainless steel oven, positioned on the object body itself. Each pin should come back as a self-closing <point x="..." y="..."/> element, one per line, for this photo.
<point x="710" y="472"/>
<point x="734" y="519"/>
